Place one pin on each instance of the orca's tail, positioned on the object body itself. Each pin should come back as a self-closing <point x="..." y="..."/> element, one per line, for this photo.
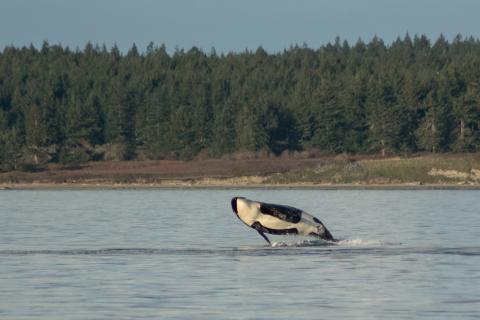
<point x="324" y="234"/>
<point x="328" y="236"/>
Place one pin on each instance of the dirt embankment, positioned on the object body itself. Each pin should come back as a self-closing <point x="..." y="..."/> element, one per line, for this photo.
<point x="160" y="171"/>
<point x="462" y="171"/>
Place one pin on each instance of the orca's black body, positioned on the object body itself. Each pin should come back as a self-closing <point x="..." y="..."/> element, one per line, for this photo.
<point x="278" y="219"/>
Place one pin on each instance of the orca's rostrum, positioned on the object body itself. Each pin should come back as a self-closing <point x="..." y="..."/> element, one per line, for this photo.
<point x="278" y="219"/>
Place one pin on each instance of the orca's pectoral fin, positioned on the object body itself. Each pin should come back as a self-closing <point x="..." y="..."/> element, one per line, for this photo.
<point x="257" y="226"/>
<point x="264" y="237"/>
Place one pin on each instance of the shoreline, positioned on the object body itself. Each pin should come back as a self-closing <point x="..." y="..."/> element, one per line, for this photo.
<point x="179" y="184"/>
<point x="423" y="172"/>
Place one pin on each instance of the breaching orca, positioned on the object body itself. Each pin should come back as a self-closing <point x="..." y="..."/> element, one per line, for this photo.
<point x="278" y="219"/>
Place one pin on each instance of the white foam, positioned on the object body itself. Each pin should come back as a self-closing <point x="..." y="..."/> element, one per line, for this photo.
<point x="354" y="242"/>
<point x="359" y="242"/>
<point x="301" y="243"/>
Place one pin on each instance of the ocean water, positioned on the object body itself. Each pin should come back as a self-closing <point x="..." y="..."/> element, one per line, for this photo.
<point x="183" y="254"/>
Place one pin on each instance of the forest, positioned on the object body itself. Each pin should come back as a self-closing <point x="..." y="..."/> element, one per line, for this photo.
<point x="65" y="105"/>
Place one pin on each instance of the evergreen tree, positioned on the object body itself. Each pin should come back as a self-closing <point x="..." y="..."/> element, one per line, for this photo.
<point x="411" y="95"/>
<point x="431" y="132"/>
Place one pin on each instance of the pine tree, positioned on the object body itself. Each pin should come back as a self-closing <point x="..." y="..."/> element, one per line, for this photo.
<point x="432" y="133"/>
<point x="329" y="117"/>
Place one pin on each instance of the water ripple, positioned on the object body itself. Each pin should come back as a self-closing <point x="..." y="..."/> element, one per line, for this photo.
<point x="256" y="251"/>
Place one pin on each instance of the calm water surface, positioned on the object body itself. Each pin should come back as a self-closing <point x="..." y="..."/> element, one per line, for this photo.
<point x="182" y="254"/>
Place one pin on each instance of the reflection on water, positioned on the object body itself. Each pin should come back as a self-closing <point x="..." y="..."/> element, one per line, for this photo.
<point x="182" y="254"/>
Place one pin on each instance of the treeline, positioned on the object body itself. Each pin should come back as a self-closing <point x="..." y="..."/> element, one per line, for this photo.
<point x="63" y="105"/>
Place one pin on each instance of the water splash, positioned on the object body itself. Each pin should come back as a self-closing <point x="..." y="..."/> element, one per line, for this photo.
<point x="302" y="243"/>
<point x="354" y="242"/>
<point x="359" y="242"/>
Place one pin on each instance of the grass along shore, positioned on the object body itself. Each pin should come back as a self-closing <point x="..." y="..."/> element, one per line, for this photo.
<point x="423" y="171"/>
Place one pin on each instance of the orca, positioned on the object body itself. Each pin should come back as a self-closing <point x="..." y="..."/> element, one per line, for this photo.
<point x="278" y="219"/>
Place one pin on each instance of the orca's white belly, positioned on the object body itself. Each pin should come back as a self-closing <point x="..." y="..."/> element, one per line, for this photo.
<point x="274" y="223"/>
<point x="303" y="227"/>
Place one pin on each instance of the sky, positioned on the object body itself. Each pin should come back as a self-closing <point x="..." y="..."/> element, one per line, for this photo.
<point x="230" y="25"/>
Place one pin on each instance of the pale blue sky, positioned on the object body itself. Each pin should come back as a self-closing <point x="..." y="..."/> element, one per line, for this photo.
<point x="230" y="25"/>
